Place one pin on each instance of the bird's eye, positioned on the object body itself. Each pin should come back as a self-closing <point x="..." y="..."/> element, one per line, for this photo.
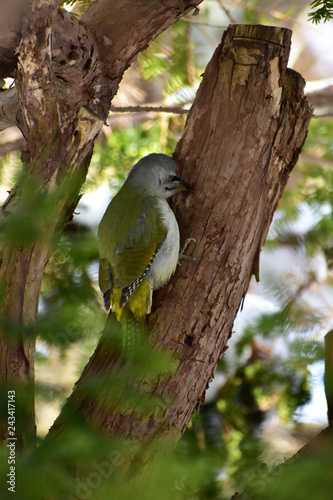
<point x="174" y="178"/>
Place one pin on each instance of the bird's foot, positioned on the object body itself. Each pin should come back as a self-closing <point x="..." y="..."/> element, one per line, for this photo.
<point x="182" y="251"/>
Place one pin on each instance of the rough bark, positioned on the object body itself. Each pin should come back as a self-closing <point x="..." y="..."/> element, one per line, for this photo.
<point x="242" y="138"/>
<point x="111" y="32"/>
<point x="60" y="119"/>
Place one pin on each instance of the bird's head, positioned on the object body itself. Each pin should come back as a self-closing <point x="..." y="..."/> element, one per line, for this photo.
<point x="158" y="175"/>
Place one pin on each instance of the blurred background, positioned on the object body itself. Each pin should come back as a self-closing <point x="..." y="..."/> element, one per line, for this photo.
<point x="267" y="398"/>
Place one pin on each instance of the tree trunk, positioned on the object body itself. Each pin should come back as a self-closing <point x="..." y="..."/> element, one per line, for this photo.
<point x="242" y="138"/>
<point x="60" y="120"/>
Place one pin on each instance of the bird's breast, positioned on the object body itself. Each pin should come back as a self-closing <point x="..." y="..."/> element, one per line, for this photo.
<point x="166" y="259"/>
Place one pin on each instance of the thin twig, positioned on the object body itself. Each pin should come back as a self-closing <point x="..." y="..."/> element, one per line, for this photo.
<point x="202" y="23"/>
<point x="177" y="110"/>
<point x="206" y="35"/>
<point x="227" y="12"/>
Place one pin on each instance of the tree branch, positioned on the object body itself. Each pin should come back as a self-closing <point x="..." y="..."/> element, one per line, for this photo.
<point x="119" y="41"/>
<point x="179" y="110"/>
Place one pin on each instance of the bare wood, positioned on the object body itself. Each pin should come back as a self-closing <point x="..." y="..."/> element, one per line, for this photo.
<point x="242" y="138"/>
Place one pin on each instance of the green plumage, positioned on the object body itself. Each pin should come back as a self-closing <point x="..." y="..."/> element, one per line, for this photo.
<point x="130" y="232"/>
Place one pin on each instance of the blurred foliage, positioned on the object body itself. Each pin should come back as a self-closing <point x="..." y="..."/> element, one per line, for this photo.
<point x="172" y="58"/>
<point x="324" y="11"/>
<point x="223" y="450"/>
<point x="115" y="154"/>
<point x="10" y="169"/>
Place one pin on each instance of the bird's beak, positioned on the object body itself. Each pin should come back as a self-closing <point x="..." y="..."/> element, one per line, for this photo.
<point x="185" y="186"/>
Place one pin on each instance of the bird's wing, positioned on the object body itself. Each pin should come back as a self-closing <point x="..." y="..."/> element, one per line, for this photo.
<point x="105" y="276"/>
<point x="105" y="280"/>
<point x="134" y="254"/>
<point x="131" y="231"/>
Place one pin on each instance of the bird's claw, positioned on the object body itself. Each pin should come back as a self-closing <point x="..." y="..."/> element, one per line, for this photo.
<point x="182" y="251"/>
